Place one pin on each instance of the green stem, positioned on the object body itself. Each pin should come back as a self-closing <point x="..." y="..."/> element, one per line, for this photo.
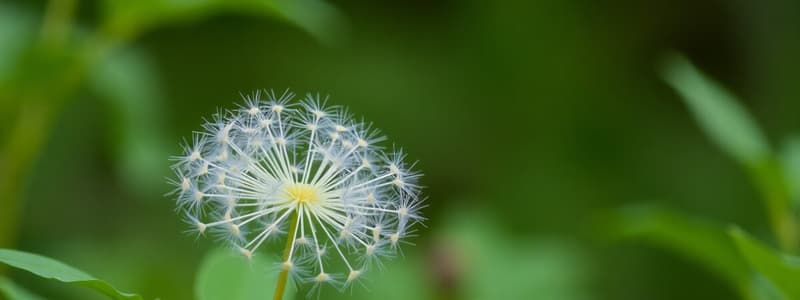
<point x="284" y="275"/>
<point x="775" y="190"/>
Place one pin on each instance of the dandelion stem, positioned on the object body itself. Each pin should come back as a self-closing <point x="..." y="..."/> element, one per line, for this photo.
<point x="284" y="275"/>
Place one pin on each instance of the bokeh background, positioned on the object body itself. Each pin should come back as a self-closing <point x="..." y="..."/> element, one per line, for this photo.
<point x="529" y="119"/>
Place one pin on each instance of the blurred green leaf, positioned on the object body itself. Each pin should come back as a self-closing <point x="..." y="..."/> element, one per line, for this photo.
<point x="394" y="282"/>
<point x="472" y="258"/>
<point x="729" y="124"/>
<point x="717" y="111"/>
<point x="129" y="18"/>
<point x="226" y="276"/>
<point x="320" y="19"/>
<point x="12" y="291"/>
<point x="705" y="242"/>
<point x="498" y="266"/>
<point x="17" y="32"/>
<point x="53" y="269"/>
<point x="128" y="82"/>
<point x="782" y="270"/>
<point x="791" y="166"/>
<point x="762" y="289"/>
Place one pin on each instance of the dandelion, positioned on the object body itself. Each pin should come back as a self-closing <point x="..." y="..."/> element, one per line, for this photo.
<point x="307" y="173"/>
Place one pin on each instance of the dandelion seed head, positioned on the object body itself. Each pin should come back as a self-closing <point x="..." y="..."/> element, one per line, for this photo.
<point x="279" y="169"/>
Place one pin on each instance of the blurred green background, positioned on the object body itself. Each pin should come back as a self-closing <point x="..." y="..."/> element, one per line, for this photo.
<point x="530" y="120"/>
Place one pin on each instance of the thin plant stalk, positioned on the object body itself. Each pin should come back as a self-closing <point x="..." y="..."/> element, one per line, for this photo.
<point x="283" y="277"/>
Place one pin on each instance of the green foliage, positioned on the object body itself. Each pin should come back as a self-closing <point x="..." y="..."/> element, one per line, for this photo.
<point x="717" y="111"/>
<point x="756" y="271"/>
<point x="728" y="123"/>
<point x="12" y="291"/>
<point x="473" y="258"/>
<point x="394" y="285"/>
<point x="128" y="83"/>
<point x="782" y="270"/>
<point x="127" y="19"/>
<point x="705" y="242"/>
<point x="16" y="33"/>
<point x="496" y="268"/>
<point x="52" y="269"/>
<point x="790" y="157"/>
<point x="223" y="275"/>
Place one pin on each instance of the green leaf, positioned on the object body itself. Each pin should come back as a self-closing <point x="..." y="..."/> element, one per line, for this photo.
<point x="128" y="82"/>
<point x="717" y="111"/>
<point x="790" y="157"/>
<point x="56" y="270"/>
<point x="473" y="257"/>
<point x="17" y="32"/>
<point x="126" y="19"/>
<point x="225" y="275"/>
<point x="705" y="242"/>
<point x="499" y="266"/>
<point x="318" y="18"/>
<point x="393" y="283"/>
<point x="729" y="125"/>
<point x="782" y="270"/>
<point x="12" y="291"/>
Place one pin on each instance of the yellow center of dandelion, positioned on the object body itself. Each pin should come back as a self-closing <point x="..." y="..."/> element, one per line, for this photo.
<point x="302" y="193"/>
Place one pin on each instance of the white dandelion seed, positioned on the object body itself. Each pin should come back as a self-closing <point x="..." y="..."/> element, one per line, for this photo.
<point x="304" y="173"/>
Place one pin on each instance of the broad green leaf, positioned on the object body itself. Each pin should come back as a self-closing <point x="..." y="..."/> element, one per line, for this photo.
<point x="705" y="242"/>
<point x="791" y="166"/>
<point x="56" y="270"/>
<point x="224" y="275"/>
<point x="717" y="111"/>
<point x="12" y="291"/>
<point x="126" y="19"/>
<point x="128" y="83"/>
<point x="782" y="270"/>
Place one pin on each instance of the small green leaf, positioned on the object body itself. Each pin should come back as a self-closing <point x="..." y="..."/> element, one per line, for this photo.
<point x="705" y="242"/>
<point x="17" y="32"/>
<point x="12" y="291"/>
<point x="127" y="19"/>
<point x="782" y="270"/>
<point x="318" y="18"/>
<point x="717" y="111"/>
<point x="226" y="276"/>
<point x="791" y="165"/>
<point x="56" y="270"/>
